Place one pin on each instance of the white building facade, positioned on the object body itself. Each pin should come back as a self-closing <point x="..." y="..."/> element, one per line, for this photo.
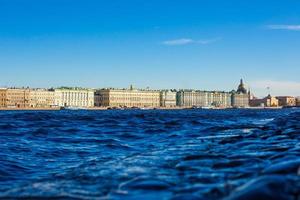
<point x="190" y="98"/>
<point x="167" y="99"/>
<point x="74" y="97"/>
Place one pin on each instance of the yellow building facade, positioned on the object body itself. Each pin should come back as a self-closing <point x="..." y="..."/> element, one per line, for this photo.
<point x="286" y="100"/>
<point x="268" y="101"/>
<point x="41" y="98"/>
<point x="127" y="98"/>
<point x="272" y="101"/>
<point x="3" y="97"/>
<point x="17" y="98"/>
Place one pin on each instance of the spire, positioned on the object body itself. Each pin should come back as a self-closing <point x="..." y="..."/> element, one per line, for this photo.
<point x="242" y="83"/>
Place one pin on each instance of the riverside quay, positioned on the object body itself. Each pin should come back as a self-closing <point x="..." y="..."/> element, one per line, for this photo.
<point x="69" y="97"/>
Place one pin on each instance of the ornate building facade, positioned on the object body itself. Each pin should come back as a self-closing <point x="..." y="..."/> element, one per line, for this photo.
<point x="167" y="98"/>
<point x="74" y="97"/>
<point x="41" y="98"/>
<point x="17" y="98"/>
<point x="3" y="97"/>
<point x="189" y="98"/>
<point x="127" y="98"/>
<point x="195" y="98"/>
<point x="240" y="98"/>
<point x="286" y="101"/>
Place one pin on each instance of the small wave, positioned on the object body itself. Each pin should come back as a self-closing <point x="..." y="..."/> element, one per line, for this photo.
<point x="202" y="154"/>
<point x="217" y="136"/>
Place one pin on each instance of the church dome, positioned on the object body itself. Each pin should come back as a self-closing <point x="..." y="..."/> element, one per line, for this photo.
<point x="242" y="89"/>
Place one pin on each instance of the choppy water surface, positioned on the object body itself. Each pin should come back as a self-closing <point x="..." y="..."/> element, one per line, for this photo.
<point x="151" y="154"/>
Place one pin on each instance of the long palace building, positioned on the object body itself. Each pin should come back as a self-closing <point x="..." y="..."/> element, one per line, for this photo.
<point x="190" y="98"/>
<point x="44" y="98"/>
<point x="127" y="98"/>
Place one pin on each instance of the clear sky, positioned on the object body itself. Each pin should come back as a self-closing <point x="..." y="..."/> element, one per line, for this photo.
<point x="201" y="44"/>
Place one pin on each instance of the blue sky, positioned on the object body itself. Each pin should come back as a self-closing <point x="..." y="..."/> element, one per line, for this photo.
<point x="201" y="44"/>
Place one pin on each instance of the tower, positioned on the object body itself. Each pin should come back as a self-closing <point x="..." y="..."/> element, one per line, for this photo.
<point x="241" y="88"/>
<point x="240" y="98"/>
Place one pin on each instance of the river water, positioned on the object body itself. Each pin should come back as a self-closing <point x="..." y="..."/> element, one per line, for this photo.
<point x="150" y="154"/>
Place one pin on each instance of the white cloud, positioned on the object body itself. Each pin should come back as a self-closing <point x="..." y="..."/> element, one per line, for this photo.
<point x="186" y="41"/>
<point x="284" y="27"/>
<point x="182" y="41"/>
<point x="277" y="88"/>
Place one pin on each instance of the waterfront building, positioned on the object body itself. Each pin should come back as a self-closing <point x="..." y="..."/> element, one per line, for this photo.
<point x="271" y="101"/>
<point x="127" y="98"/>
<point x="167" y="98"/>
<point x="268" y="101"/>
<point x="17" y="98"/>
<point x="195" y="98"/>
<point x="41" y="98"/>
<point x="74" y="97"/>
<point x="255" y="102"/>
<point x="219" y="99"/>
<point x="286" y="101"/>
<point x="297" y="101"/>
<point x="3" y="97"/>
<point x="240" y="98"/>
<point x="190" y="98"/>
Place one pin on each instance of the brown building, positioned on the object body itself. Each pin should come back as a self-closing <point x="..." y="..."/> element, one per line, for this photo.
<point x="286" y="101"/>
<point x="127" y="98"/>
<point x="298" y="101"/>
<point x="268" y="101"/>
<point x="17" y="98"/>
<point x="3" y="97"/>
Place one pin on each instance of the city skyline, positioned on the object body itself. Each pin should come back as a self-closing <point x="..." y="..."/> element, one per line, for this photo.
<point x="114" y="98"/>
<point x="268" y="90"/>
<point x="154" y="44"/>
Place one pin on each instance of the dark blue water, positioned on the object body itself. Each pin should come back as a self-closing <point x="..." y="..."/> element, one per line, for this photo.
<point x="151" y="154"/>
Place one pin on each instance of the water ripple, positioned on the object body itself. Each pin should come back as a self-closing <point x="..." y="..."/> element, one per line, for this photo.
<point x="150" y="154"/>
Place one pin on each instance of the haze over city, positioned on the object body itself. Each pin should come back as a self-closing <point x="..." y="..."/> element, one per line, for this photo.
<point x="157" y="44"/>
